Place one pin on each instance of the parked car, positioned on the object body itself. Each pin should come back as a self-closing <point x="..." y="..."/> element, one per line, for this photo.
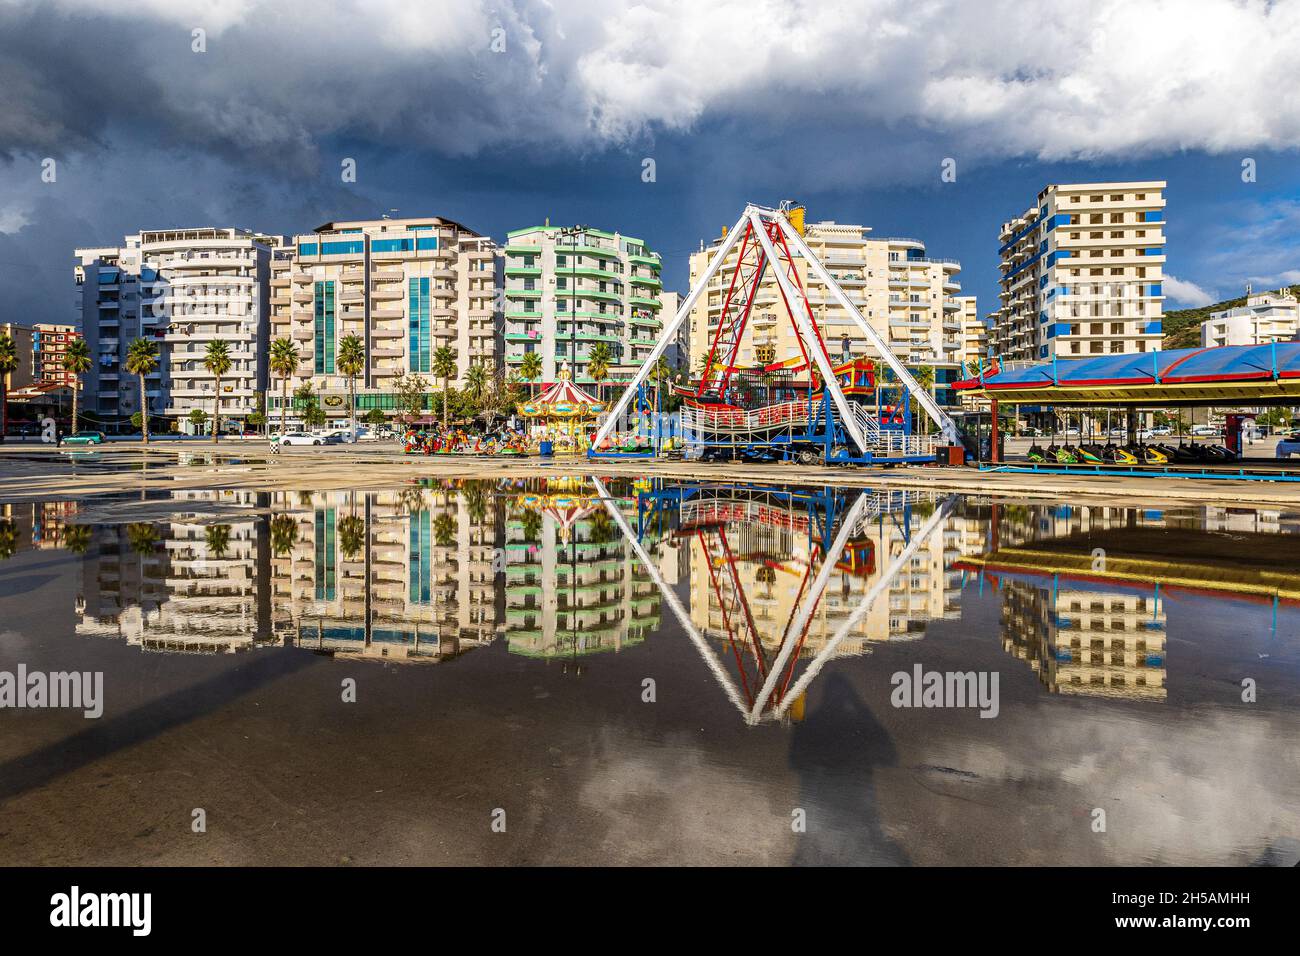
<point x="83" y="438"/>
<point x="338" y="438"/>
<point x="1289" y="445"/>
<point x="1162" y="430"/>
<point x="301" y="438"/>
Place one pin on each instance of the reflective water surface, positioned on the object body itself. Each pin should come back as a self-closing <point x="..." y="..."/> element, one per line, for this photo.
<point x="648" y="672"/>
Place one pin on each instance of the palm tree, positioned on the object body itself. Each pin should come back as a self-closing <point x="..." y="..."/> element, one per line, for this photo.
<point x="217" y="537"/>
<point x="925" y="378"/>
<point x="143" y="537"/>
<point x="76" y="362"/>
<point x="284" y="532"/>
<point x="351" y="362"/>
<point x="8" y="363"/>
<point x="141" y="359"/>
<point x="217" y="361"/>
<point x="76" y="538"/>
<point x="530" y="369"/>
<point x="8" y="539"/>
<point x="352" y="535"/>
<point x="477" y="379"/>
<point x="599" y="359"/>
<point x="444" y="366"/>
<point x="284" y="362"/>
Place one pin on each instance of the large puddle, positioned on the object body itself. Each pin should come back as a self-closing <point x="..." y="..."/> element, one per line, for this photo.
<point x="574" y="670"/>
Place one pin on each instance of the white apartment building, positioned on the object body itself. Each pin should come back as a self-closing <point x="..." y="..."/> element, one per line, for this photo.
<point x="1081" y="273"/>
<point x="567" y="289"/>
<point x="406" y="287"/>
<point x="910" y="300"/>
<point x="975" y="333"/>
<point x="1266" y="317"/>
<point x="183" y="289"/>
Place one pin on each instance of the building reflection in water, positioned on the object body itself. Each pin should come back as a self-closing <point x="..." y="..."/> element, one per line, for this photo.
<point x="770" y="583"/>
<point x="573" y="586"/>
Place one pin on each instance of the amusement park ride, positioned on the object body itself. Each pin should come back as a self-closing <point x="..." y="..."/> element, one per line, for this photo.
<point x="766" y="682"/>
<point x="829" y="415"/>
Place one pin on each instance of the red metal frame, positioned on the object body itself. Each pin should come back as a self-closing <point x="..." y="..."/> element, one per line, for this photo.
<point x="733" y="331"/>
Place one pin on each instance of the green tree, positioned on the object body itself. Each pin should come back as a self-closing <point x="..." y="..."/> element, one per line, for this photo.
<point x="198" y="418"/>
<point x="477" y="382"/>
<point x="8" y="539"/>
<point x="76" y="362"/>
<point x="217" y="537"/>
<point x="599" y="358"/>
<point x="217" y="361"/>
<point x="374" y="417"/>
<point x="352" y="362"/>
<point x="925" y="378"/>
<point x="352" y="535"/>
<point x="8" y="365"/>
<point x="142" y="536"/>
<point x="76" y="538"/>
<point x="530" y="369"/>
<point x="444" y="530"/>
<point x="444" y="367"/>
<point x="411" y="389"/>
<point x="284" y="534"/>
<point x="284" y="362"/>
<point x="141" y="359"/>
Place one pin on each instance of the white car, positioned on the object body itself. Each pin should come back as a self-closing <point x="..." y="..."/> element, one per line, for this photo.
<point x="300" y="438"/>
<point x="1288" y="446"/>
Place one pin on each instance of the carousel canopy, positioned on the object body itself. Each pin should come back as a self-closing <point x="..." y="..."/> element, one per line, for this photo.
<point x="563" y="399"/>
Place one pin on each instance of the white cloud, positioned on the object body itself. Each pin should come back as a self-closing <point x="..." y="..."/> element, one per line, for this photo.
<point x="12" y="218"/>
<point x="1187" y="294"/>
<point x="987" y="81"/>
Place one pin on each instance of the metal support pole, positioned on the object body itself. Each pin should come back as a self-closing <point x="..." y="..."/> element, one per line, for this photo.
<point x="946" y="425"/>
<point x="668" y="333"/>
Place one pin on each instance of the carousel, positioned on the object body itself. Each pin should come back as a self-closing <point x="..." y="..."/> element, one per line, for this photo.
<point x="562" y="414"/>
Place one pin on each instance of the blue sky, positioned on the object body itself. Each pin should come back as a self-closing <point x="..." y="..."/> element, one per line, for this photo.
<point x="501" y="114"/>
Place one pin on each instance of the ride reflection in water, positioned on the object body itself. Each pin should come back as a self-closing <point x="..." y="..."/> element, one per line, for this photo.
<point x="769" y="583"/>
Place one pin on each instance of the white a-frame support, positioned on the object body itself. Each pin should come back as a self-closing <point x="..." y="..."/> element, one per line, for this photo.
<point x="759" y="217"/>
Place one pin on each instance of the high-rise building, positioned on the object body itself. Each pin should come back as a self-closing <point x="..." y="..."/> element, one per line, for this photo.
<point x="183" y="289"/>
<point x="1266" y="317"/>
<point x="975" y="333"/>
<point x="1081" y="273"/>
<point x="909" y="299"/>
<point x="23" y="338"/>
<point x="49" y="345"/>
<point x="405" y="287"/>
<point x="400" y="576"/>
<point x="568" y="289"/>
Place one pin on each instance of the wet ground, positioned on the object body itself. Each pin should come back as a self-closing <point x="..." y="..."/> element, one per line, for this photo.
<point x="578" y="670"/>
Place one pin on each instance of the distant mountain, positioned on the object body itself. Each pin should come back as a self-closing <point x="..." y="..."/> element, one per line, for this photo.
<point x="1183" y="326"/>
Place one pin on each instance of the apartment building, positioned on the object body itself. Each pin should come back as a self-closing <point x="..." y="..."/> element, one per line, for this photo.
<point x="574" y="586"/>
<point x="1266" y="317"/>
<point x="183" y="289"/>
<point x="567" y="289"/>
<point x="197" y="588"/>
<point x="909" y="299"/>
<point x="1081" y="273"/>
<point x="405" y="287"/>
<point x="405" y="577"/>
<point x="49" y="346"/>
<point x="23" y="338"/>
<point x="975" y="333"/>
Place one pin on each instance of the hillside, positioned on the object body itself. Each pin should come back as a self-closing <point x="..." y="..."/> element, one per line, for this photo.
<point x="1183" y="326"/>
